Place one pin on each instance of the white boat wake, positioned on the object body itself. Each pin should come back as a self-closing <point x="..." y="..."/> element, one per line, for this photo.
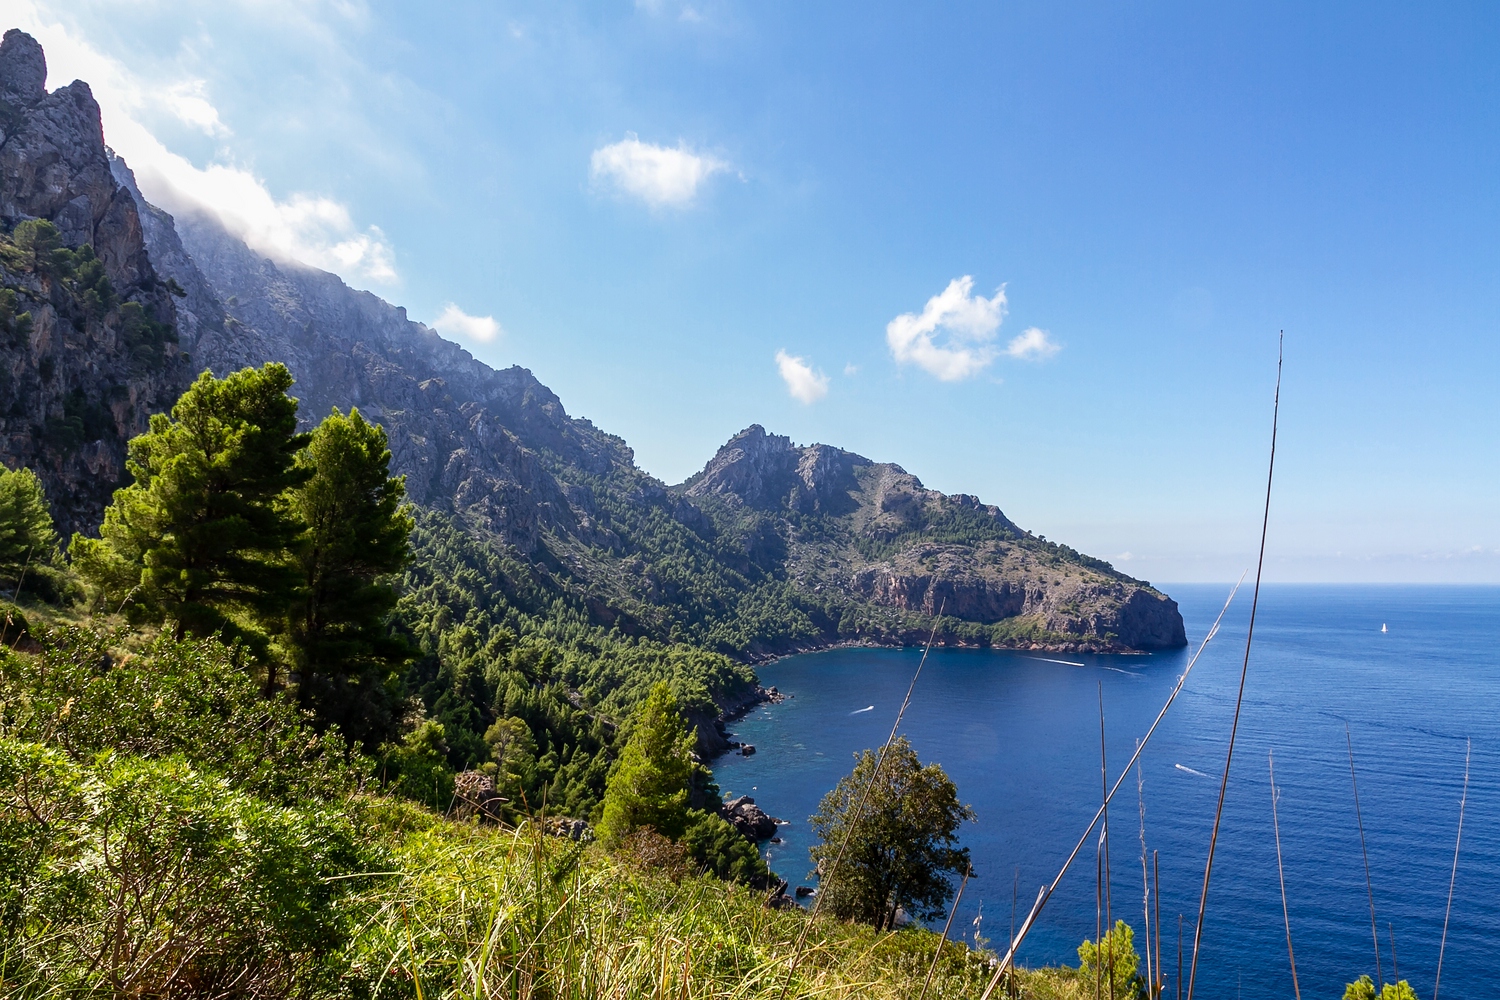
<point x="1184" y="767"/>
<point x="861" y="711"/>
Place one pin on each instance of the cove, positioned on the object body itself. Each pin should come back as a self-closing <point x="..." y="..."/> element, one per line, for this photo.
<point x="1019" y="734"/>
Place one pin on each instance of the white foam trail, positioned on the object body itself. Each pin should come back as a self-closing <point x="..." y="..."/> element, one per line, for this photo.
<point x="862" y="711"/>
<point x="1048" y="659"/>
<point x="1189" y="770"/>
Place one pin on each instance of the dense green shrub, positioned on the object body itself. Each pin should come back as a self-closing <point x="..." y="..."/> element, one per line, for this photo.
<point x="417" y="767"/>
<point x="83" y="696"/>
<point x="134" y="877"/>
<point x="720" y="849"/>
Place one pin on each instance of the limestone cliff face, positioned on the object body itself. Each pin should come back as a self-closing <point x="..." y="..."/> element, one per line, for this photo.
<point x="872" y="532"/>
<point x="77" y="378"/>
<point x="467" y="437"/>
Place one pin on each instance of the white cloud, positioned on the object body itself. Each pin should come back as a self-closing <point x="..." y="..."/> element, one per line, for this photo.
<point x="313" y="229"/>
<point x="658" y="175"/>
<point x="1034" y="344"/>
<point x="186" y="100"/>
<point x="851" y="369"/>
<point x="454" y="322"/>
<point x="967" y="323"/>
<point x="805" y="385"/>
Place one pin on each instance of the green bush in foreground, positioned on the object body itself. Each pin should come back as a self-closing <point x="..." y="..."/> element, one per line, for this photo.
<point x="1363" y="988"/>
<point x="83" y="696"/>
<point x="129" y="877"/>
<point x="1113" y="962"/>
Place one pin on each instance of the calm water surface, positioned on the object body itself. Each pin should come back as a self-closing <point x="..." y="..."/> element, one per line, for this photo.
<point x="1020" y="737"/>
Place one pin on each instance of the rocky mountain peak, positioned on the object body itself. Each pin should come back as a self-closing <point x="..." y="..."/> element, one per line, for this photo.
<point x="23" y="69"/>
<point x="766" y="471"/>
<point x="89" y="365"/>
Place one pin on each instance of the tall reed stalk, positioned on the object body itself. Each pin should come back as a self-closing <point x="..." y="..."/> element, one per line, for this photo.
<point x="1369" y="885"/>
<point x="1281" y="872"/>
<point x="1140" y="792"/>
<point x="1239" y="701"/>
<point x="1453" y="877"/>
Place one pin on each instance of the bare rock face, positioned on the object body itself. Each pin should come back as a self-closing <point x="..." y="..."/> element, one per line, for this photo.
<point x="749" y="819"/>
<point x="474" y="794"/>
<point x="77" y="378"/>
<point x="23" y="69"/>
<point x="765" y="471"/>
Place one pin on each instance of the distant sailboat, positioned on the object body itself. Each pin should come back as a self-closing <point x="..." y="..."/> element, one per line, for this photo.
<point x="1383" y="628"/>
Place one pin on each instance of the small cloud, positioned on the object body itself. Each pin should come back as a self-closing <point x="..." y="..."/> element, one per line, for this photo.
<point x="805" y="385"/>
<point x="658" y="175"/>
<point x="185" y="100"/>
<point x="454" y="322"/>
<point x="1035" y="344"/>
<point x="967" y="323"/>
<point x="851" y="369"/>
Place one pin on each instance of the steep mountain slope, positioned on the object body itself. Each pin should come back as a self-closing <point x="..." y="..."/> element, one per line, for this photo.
<point x="87" y="341"/>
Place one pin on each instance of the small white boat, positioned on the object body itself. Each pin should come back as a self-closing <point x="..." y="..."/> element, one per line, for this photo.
<point x="1383" y="628"/>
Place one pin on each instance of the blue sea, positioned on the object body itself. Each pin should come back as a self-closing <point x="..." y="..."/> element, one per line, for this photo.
<point x="1019" y="734"/>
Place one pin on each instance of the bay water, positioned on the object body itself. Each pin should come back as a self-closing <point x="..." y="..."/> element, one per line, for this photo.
<point x="1019" y="734"/>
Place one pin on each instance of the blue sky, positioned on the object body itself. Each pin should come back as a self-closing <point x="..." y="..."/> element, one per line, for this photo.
<point x="1031" y="252"/>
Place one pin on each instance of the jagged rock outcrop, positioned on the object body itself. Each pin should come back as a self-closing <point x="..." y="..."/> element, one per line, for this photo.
<point x="753" y="822"/>
<point x="764" y="471"/>
<point x="81" y="371"/>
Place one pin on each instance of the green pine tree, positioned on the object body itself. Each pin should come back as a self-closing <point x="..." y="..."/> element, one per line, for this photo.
<point x="649" y="785"/>
<point x="36" y="245"/>
<point x="27" y="539"/>
<point x="1113" y="964"/>
<point x="356" y="536"/>
<point x="201" y="537"/>
<point x="900" y="821"/>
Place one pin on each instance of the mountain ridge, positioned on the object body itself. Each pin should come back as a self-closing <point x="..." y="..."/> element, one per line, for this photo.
<point x="771" y="548"/>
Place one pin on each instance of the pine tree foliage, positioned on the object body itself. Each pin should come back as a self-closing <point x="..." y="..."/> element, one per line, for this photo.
<point x="200" y="537"/>
<point x="1113" y="963"/>
<point x="27" y="538"/>
<point x="356" y="536"/>
<point x="902" y="844"/>
<point x="650" y="784"/>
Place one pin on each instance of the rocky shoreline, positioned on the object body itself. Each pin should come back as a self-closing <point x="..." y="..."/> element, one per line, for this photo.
<point x="1113" y="649"/>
